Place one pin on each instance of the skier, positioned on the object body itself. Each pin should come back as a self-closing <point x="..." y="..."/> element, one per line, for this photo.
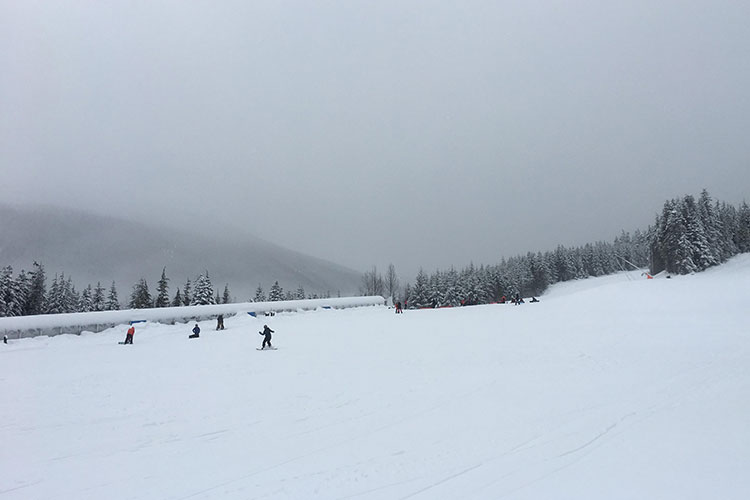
<point x="5" y="339"/>
<point x="398" y="308"/>
<point x="220" y="322"/>
<point x="267" y="337"/>
<point x="129" y="335"/>
<point x="196" y="332"/>
<point x="534" y="299"/>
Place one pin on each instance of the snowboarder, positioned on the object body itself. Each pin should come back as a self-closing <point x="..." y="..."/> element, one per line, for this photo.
<point x="398" y="308"/>
<point x="129" y="335"/>
<point x="266" y="336"/>
<point x="534" y="299"/>
<point x="5" y="339"/>
<point x="196" y="332"/>
<point x="220" y="322"/>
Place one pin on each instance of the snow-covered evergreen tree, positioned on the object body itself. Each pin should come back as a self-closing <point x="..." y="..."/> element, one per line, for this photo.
<point x="300" y="293"/>
<point x="62" y="296"/>
<point x="113" y="303"/>
<point x="226" y="298"/>
<point x="204" y="291"/>
<point x="22" y="289"/>
<point x="140" y="297"/>
<point x="53" y="304"/>
<point x="259" y="295"/>
<point x="35" y="302"/>
<point x="276" y="293"/>
<point x="6" y="294"/>
<point x="98" y="301"/>
<point x="742" y="234"/>
<point x="419" y="293"/>
<point x="162" y="290"/>
<point x="187" y="297"/>
<point x="71" y="298"/>
<point x="86" y="302"/>
<point x="177" y="302"/>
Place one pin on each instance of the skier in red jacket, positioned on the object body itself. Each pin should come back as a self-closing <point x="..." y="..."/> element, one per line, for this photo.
<point x="129" y="336"/>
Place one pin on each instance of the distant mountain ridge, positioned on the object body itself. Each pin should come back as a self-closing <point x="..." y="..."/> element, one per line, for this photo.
<point x="92" y="248"/>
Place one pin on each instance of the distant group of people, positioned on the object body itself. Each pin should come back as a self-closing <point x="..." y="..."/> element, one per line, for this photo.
<point x="516" y="299"/>
<point x="197" y="333"/>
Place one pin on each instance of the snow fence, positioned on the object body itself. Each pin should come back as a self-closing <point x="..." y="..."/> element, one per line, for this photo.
<point x="75" y="323"/>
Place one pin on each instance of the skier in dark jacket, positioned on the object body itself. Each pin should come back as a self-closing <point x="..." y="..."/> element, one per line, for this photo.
<point x="220" y="322"/>
<point x="266" y="337"/>
<point x="196" y="332"/>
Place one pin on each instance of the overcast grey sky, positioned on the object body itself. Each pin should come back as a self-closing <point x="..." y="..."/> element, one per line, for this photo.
<point x="428" y="133"/>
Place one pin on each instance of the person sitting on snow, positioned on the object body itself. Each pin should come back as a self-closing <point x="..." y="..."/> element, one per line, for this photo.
<point x="196" y="332"/>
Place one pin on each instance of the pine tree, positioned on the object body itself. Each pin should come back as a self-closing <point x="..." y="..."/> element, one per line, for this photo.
<point x="35" y="302"/>
<point x="113" y="303"/>
<point x="276" y="293"/>
<point x="22" y="289"/>
<point x="140" y="297"/>
<point x="204" y="291"/>
<point x="53" y="304"/>
<point x="259" y="295"/>
<point x="86" y="303"/>
<point x="62" y="296"/>
<point x="419" y="296"/>
<point x="177" y="302"/>
<point x="12" y="293"/>
<point x="97" y="301"/>
<point x="742" y="234"/>
<point x="709" y="219"/>
<point x="225" y="298"/>
<point x="70" y="296"/>
<point x="162" y="297"/>
<point x="300" y="294"/>
<point x="407" y="295"/>
<point x="187" y="298"/>
<point x="6" y="293"/>
<point x="698" y="234"/>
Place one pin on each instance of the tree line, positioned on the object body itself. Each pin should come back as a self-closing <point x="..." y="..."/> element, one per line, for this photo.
<point x="688" y="236"/>
<point x="27" y="294"/>
<point x="691" y="235"/>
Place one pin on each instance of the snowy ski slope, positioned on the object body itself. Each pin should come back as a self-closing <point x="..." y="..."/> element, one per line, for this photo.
<point x="616" y="387"/>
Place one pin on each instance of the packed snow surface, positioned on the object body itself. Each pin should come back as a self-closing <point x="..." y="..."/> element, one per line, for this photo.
<point x="614" y="387"/>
